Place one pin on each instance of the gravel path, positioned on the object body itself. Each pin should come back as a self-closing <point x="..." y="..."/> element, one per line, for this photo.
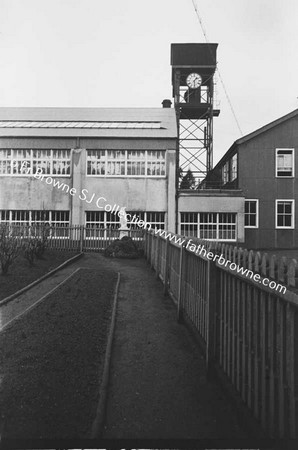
<point x="158" y="387"/>
<point x="51" y="360"/>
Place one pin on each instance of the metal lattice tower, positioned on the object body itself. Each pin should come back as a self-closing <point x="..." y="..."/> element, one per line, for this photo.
<point x="193" y="68"/>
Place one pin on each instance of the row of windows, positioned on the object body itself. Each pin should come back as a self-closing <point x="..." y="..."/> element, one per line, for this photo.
<point x="284" y="165"/>
<point x="107" y="220"/>
<point x="136" y="163"/>
<point x="93" y="219"/>
<point x="150" y="163"/>
<point x="284" y="213"/>
<point x="26" y="161"/>
<point x="215" y="226"/>
<point x="24" y="217"/>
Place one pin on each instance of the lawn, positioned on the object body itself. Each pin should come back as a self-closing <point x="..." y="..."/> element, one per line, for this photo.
<point x="52" y="360"/>
<point x="20" y="274"/>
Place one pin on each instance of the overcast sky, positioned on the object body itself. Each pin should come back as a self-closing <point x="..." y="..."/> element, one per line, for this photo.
<point x="117" y="53"/>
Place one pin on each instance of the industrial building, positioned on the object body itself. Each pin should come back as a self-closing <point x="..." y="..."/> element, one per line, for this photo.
<point x="100" y="157"/>
<point x="95" y="161"/>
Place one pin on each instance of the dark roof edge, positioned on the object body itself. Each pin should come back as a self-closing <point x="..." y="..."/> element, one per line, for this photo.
<point x="255" y="133"/>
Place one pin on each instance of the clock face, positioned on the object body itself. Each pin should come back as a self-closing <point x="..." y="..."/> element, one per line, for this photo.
<point x="194" y="80"/>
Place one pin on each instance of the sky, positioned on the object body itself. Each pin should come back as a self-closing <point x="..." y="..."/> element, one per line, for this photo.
<point x="100" y="53"/>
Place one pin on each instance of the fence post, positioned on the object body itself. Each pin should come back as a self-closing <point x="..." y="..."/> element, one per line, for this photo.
<point x="181" y="274"/>
<point x="213" y="288"/>
<point x="157" y="257"/>
<point x="81" y="238"/>
<point x="165" y="288"/>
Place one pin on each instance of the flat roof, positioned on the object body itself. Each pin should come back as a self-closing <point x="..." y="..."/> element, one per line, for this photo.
<point x="88" y="122"/>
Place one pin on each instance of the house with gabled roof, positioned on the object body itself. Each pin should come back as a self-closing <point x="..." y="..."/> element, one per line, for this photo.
<point x="264" y="166"/>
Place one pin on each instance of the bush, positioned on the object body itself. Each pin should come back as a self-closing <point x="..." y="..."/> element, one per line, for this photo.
<point x="10" y="246"/>
<point x="124" y="248"/>
<point x="35" y="244"/>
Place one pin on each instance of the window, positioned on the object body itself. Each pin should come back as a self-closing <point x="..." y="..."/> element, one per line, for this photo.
<point x="207" y="226"/>
<point x="24" y="217"/>
<point x="189" y="224"/>
<point x="24" y="162"/>
<point x="251" y="214"/>
<point x="212" y="226"/>
<point x="102" y="219"/>
<point x="154" y="218"/>
<point x="131" y="163"/>
<point x="225" y="175"/>
<point x="284" y="213"/>
<point x="285" y="162"/>
<point x="234" y="171"/>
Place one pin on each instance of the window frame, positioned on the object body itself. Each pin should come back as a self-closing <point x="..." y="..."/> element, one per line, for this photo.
<point x="217" y="223"/>
<point x="51" y="220"/>
<point x="141" y="215"/>
<point x="234" y="167"/>
<point x="148" y="163"/>
<point x="257" y="212"/>
<point x="33" y="161"/>
<point x="293" y="162"/>
<point x="292" y="201"/>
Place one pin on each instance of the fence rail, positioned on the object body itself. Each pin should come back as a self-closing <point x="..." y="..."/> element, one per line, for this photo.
<point x="248" y="331"/>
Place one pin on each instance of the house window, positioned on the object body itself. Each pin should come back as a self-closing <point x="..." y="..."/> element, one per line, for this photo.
<point x="285" y="162"/>
<point x="129" y="163"/>
<point x="234" y="171"/>
<point x="285" y="213"/>
<point x="25" y="162"/>
<point x="211" y="226"/>
<point x="251" y="213"/>
<point x="225" y="174"/>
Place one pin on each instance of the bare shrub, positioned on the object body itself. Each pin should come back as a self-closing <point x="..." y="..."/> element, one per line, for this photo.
<point x="36" y="242"/>
<point x="10" y="246"/>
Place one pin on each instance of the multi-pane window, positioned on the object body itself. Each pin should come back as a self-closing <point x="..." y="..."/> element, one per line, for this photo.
<point x="285" y="213"/>
<point x="133" y="163"/>
<point x="230" y="169"/>
<point x="213" y="226"/>
<point x="234" y="168"/>
<point x="25" y="162"/>
<point x="226" y="227"/>
<point x="225" y="173"/>
<point x="103" y="219"/>
<point x="251" y="213"/>
<point x="136" y="162"/>
<point x="285" y="162"/>
<point x="154" y="218"/>
<point x="189" y="224"/>
<point x="208" y="225"/>
<point x="25" y="217"/>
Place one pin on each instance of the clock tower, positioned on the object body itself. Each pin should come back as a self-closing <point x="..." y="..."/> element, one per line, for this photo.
<point x="193" y="68"/>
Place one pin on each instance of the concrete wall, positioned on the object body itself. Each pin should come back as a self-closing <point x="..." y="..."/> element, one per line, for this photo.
<point x="256" y="160"/>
